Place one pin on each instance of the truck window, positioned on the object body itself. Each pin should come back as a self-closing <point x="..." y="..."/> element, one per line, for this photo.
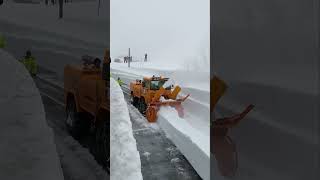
<point x="154" y="85"/>
<point x="146" y="84"/>
<point x="161" y="83"/>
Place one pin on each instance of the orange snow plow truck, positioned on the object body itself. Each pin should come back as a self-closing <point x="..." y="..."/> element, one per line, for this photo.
<point x="86" y="93"/>
<point x="148" y="95"/>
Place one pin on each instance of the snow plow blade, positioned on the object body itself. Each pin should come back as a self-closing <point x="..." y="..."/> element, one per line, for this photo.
<point x="154" y="107"/>
<point x="222" y="125"/>
<point x="175" y="92"/>
<point x="218" y="88"/>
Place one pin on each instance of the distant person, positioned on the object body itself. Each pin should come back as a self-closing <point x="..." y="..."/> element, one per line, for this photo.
<point x="2" y="41"/>
<point x="119" y="81"/>
<point x="30" y="63"/>
<point x="145" y="57"/>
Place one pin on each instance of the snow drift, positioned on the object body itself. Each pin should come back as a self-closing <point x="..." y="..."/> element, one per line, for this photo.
<point x="124" y="156"/>
<point x="27" y="145"/>
<point x="194" y="144"/>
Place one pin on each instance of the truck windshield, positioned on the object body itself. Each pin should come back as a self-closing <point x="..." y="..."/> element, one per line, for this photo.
<point x="155" y="85"/>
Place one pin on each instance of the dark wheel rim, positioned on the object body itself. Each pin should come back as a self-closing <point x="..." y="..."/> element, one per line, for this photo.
<point x="135" y="102"/>
<point x="142" y="106"/>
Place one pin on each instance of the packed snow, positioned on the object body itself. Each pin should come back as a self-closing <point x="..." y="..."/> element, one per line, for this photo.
<point x="27" y="145"/>
<point x="124" y="157"/>
<point x="194" y="144"/>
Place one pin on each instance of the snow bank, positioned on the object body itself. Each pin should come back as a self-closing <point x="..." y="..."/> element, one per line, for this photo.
<point x="124" y="156"/>
<point x="194" y="144"/>
<point x="27" y="143"/>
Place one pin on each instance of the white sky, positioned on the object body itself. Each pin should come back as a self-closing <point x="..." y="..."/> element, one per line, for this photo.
<point x="168" y="30"/>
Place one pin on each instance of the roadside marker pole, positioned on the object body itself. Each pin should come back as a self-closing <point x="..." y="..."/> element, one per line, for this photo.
<point x="129" y="58"/>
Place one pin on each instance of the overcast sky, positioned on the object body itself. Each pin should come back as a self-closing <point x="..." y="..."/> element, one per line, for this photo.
<point x="168" y="30"/>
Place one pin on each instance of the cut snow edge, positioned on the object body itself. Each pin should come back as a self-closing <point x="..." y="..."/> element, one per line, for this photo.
<point x="124" y="157"/>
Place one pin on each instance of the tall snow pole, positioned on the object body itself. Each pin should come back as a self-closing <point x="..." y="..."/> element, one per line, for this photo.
<point x="129" y="58"/>
<point x="60" y="9"/>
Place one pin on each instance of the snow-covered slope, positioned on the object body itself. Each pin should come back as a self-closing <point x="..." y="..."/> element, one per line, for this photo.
<point x="27" y="148"/>
<point x="192" y="133"/>
<point x="124" y="156"/>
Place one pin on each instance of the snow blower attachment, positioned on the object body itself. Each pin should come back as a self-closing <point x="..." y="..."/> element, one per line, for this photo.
<point x="223" y="148"/>
<point x="148" y="95"/>
<point x="218" y="89"/>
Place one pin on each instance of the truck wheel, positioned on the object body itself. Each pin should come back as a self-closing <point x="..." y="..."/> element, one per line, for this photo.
<point x="103" y="144"/>
<point x="73" y="120"/>
<point x="142" y="106"/>
<point x="135" y="102"/>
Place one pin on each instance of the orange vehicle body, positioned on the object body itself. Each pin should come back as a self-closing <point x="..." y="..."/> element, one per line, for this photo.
<point x="218" y="89"/>
<point x="222" y="145"/>
<point x="87" y="88"/>
<point x="147" y="98"/>
<point x="86" y="96"/>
